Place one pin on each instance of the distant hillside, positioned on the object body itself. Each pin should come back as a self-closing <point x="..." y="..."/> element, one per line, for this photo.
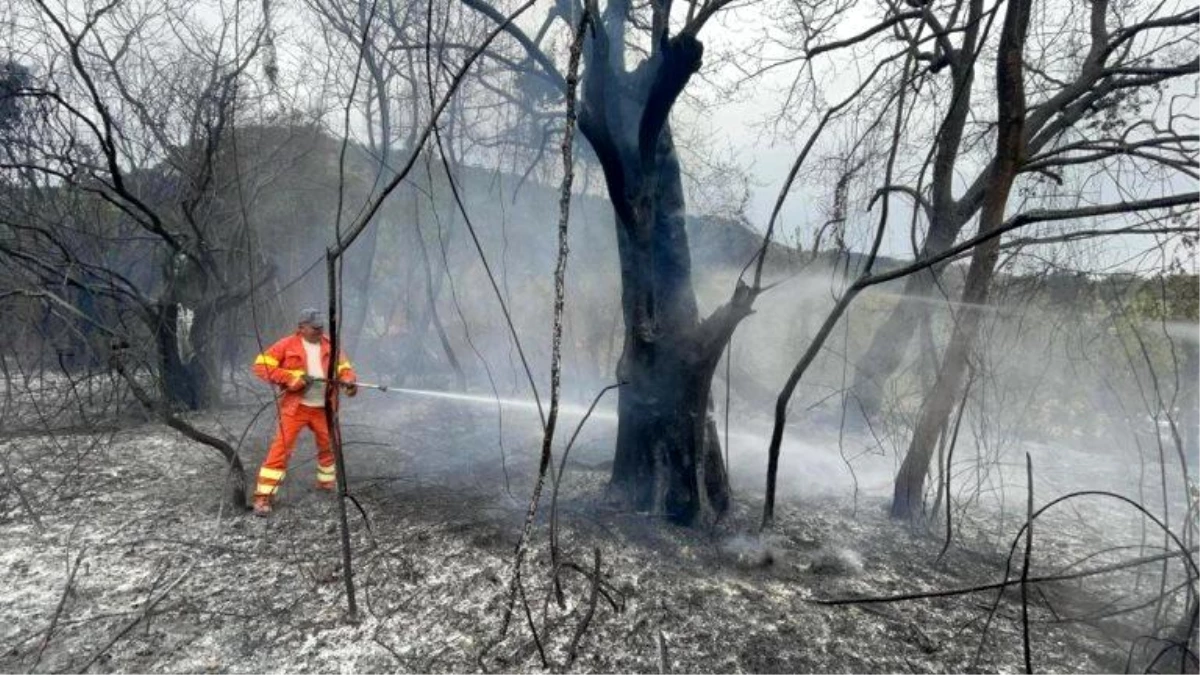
<point x="713" y="241"/>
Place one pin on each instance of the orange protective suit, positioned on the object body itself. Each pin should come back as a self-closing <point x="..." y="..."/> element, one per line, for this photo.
<point x="284" y="364"/>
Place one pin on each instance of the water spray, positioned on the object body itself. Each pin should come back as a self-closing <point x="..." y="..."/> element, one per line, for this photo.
<point x="566" y="408"/>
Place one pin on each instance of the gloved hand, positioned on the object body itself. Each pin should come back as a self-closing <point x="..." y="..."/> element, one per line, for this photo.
<point x="300" y="383"/>
<point x="351" y="388"/>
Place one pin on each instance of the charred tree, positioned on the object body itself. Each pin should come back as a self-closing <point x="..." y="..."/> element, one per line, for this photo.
<point x="668" y="458"/>
<point x="125" y="178"/>
<point x="1009" y="156"/>
<point x="189" y="356"/>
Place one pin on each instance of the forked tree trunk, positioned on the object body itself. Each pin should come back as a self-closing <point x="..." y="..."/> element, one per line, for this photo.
<point x="946" y="216"/>
<point x="668" y="458"/>
<point x="1010" y="149"/>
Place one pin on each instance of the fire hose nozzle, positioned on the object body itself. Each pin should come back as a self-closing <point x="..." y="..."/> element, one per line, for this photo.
<point x="362" y="385"/>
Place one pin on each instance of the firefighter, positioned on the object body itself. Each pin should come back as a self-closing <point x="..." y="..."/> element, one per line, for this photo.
<point x="298" y="364"/>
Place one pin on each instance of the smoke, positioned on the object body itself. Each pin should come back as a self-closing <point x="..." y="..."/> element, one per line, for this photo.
<point x="752" y="551"/>
<point x="1059" y="376"/>
<point x="836" y="561"/>
<point x="1188" y="332"/>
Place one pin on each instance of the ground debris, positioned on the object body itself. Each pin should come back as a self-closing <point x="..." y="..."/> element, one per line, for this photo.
<point x="433" y="567"/>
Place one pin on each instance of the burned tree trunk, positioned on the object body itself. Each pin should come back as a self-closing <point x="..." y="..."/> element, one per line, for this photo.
<point x="910" y="483"/>
<point x="668" y="455"/>
<point x="189" y="370"/>
<point x="668" y="458"/>
<point x="1010" y="150"/>
<point x="175" y="381"/>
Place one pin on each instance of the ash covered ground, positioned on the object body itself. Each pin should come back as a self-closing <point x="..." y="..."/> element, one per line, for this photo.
<point x="121" y="556"/>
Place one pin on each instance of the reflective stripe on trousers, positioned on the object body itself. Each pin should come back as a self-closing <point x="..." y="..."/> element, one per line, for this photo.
<point x="270" y="476"/>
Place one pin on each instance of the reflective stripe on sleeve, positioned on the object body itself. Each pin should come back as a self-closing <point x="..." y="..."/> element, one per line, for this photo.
<point x="266" y="360"/>
<point x="344" y="365"/>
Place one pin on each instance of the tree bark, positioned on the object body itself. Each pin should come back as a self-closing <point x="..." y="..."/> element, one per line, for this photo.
<point x="668" y="454"/>
<point x="910" y="483"/>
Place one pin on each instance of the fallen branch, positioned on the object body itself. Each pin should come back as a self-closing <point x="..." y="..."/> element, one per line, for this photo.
<point x="572" y="651"/>
<point x="605" y="587"/>
<point x="62" y="601"/>
<point x="1188" y="554"/>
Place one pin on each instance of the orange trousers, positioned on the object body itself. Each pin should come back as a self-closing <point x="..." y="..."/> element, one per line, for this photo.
<point x="274" y="467"/>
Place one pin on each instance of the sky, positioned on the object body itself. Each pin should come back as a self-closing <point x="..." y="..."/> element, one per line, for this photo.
<point x="735" y="127"/>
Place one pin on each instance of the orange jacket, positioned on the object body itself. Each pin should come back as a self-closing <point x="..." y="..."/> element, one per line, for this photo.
<point x="285" y="362"/>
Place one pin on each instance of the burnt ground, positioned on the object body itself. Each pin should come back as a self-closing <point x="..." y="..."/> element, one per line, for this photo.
<point x="134" y="564"/>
